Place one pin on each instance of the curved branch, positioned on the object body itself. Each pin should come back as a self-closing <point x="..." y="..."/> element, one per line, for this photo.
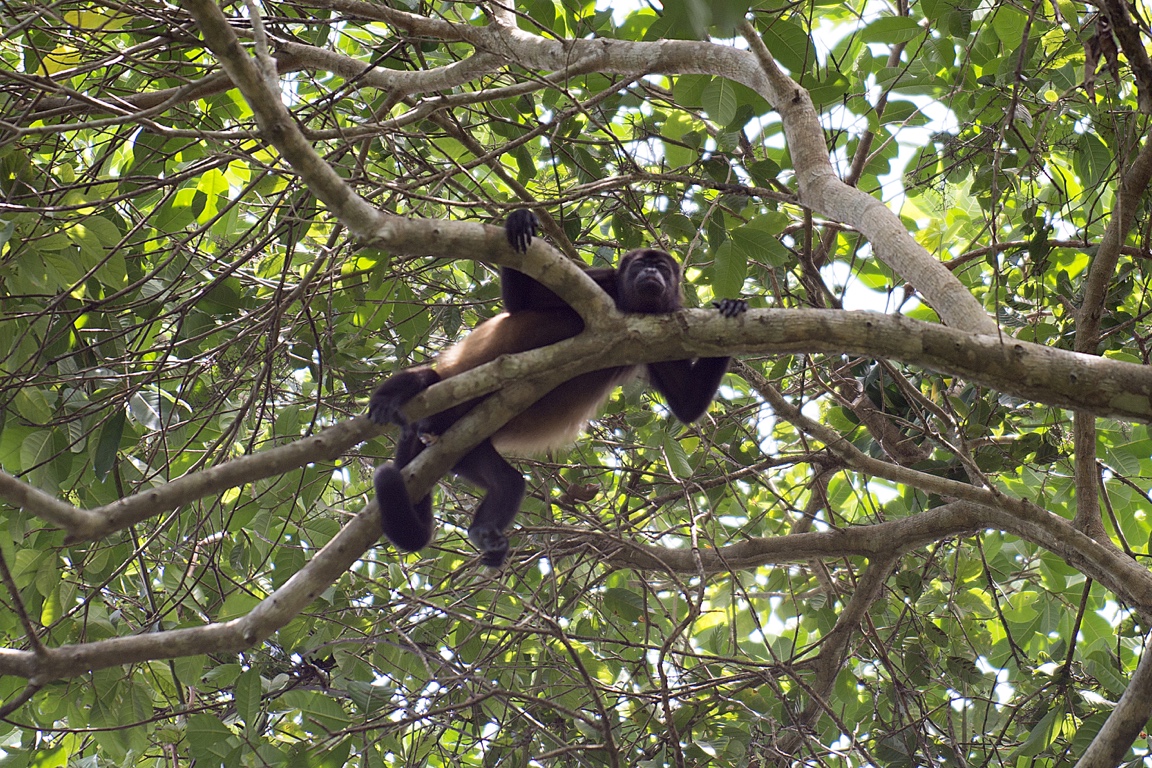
<point x="1133" y="185"/>
<point x="822" y="190"/>
<point x="279" y="127"/>
<point x="1118" y="572"/>
<point x="819" y="187"/>
<point x="273" y="612"/>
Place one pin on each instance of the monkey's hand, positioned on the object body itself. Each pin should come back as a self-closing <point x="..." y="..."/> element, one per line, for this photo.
<point x="387" y="403"/>
<point x="731" y="307"/>
<point x="493" y="545"/>
<point x="520" y="227"/>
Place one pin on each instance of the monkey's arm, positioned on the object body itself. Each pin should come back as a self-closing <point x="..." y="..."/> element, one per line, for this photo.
<point x="520" y="292"/>
<point x="688" y="386"/>
<point x="388" y="400"/>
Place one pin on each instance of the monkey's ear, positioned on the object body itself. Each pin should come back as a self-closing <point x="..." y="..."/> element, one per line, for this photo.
<point x="520" y="227"/>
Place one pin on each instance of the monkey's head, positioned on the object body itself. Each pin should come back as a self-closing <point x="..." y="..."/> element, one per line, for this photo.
<point x="648" y="281"/>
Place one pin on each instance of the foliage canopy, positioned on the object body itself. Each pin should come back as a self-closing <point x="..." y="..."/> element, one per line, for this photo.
<point x="849" y="561"/>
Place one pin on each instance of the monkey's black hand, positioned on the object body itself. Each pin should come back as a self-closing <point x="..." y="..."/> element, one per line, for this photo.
<point x="387" y="403"/>
<point x="493" y="545"/>
<point x="731" y="307"/>
<point x="520" y="227"/>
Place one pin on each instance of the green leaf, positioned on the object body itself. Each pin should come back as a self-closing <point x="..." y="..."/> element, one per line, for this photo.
<point x="236" y="605"/>
<point x="789" y="44"/>
<point x="678" y="464"/>
<point x="1093" y="160"/>
<point x="369" y="697"/>
<point x="318" y="709"/>
<point x="209" y="740"/>
<point x="35" y="450"/>
<point x="1009" y="24"/>
<point x="1124" y="461"/>
<point x="759" y="240"/>
<point x="248" y="691"/>
<point x="34" y="405"/>
<point x="730" y="267"/>
<point x="1041" y="736"/>
<point x="719" y="100"/>
<point x="53" y="757"/>
<point x="892" y="30"/>
<point x="625" y="603"/>
<point x="108" y="446"/>
<point x="934" y="10"/>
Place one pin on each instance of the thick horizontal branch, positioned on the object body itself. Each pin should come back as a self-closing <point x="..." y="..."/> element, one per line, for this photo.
<point x="1032" y="372"/>
<point x="1029" y="371"/>
<point x="1022" y="369"/>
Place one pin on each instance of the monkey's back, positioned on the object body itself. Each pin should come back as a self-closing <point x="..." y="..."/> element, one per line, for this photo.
<point x="507" y="334"/>
<point x="557" y="418"/>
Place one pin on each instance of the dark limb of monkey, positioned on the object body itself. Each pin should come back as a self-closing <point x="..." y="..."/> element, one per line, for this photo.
<point x="688" y="386"/>
<point x="518" y="292"/>
<point x="485" y="467"/>
<point x="646" y="281"/>
<point x="388" y="400"/>
<point x="407" y="525"/>
<point x="520" y="227"/>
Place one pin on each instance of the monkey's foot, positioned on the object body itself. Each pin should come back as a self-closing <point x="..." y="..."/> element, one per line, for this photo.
<point x="387" y="403"/>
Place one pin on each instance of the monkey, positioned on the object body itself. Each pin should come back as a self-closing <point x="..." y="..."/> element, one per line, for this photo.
<point x="647" y="281"/>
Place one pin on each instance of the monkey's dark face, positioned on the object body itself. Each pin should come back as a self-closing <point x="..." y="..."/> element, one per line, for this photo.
<point x="648" y="281"/>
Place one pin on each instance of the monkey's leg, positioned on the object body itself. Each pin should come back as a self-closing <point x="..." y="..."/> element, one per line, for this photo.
<point x="505" y="486"/>
<point x="407" y="525"/>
